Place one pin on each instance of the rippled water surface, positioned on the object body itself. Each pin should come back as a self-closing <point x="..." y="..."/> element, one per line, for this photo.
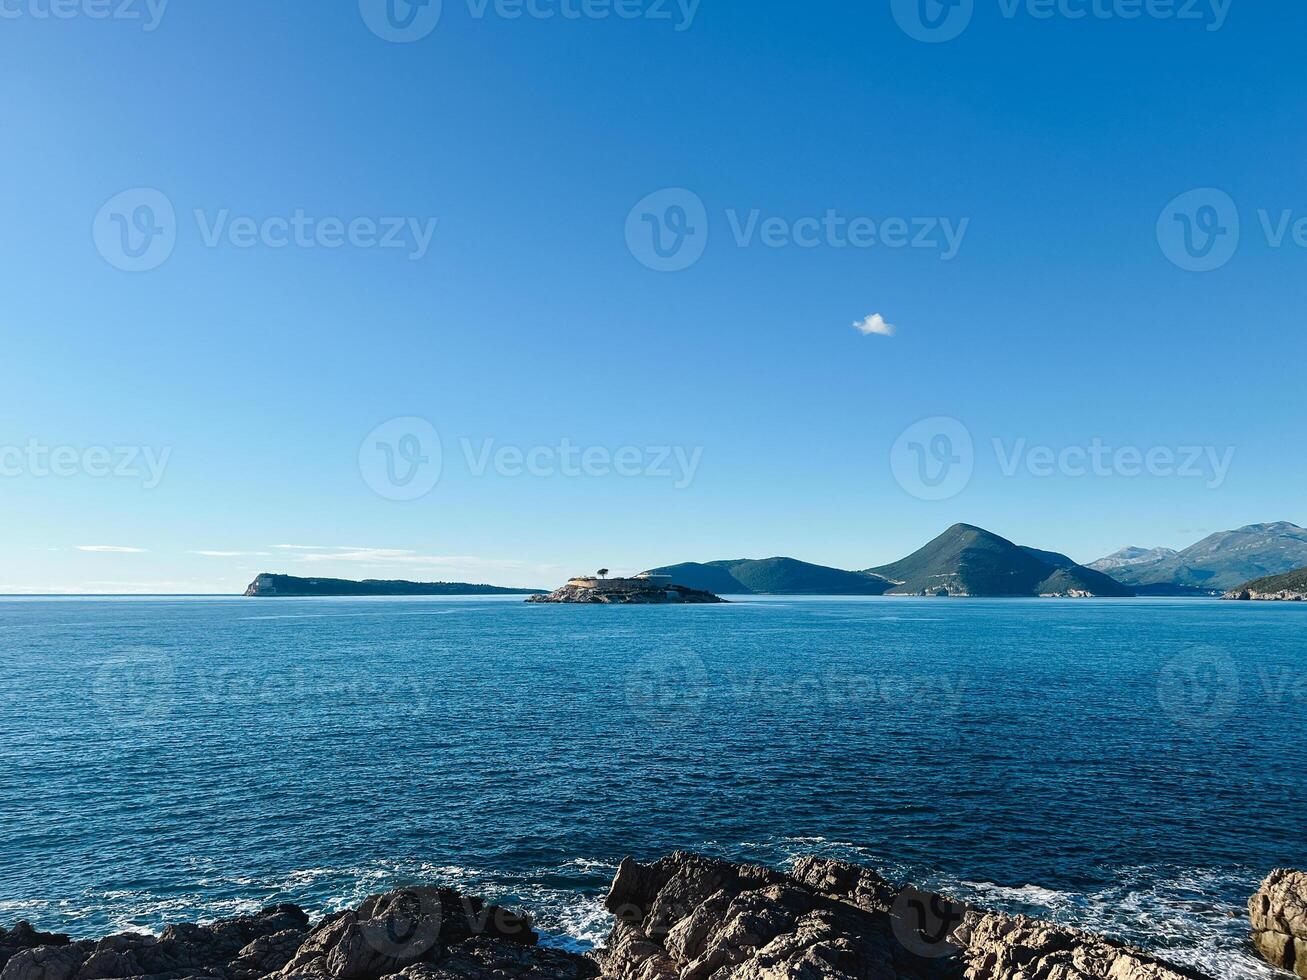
<point x="1134" y="767"/>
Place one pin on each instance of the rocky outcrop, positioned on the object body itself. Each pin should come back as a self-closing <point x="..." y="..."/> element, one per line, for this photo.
<point x="418" y="933"/>
<point x="1279" y="920"/>
<point x="685" y="917"/>
<point x="692" y="918"/>
<point x="610" y="593"/>
<point x="1253" y="595"/>
<point x="182" y="951"/>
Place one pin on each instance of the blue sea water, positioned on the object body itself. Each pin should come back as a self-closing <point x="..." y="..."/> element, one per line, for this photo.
<point x="1132" y="767"/>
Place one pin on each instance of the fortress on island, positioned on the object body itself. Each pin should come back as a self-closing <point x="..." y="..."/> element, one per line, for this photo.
<point x="644" y="589"/>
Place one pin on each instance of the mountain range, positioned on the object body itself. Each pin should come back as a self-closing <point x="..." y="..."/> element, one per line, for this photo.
<point x="969" y="561"/>
<point x="963" y="561"/>
<point x="1217" y="563"/>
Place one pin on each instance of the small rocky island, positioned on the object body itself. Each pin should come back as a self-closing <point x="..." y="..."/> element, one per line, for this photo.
<point x="646" y="589"/>
<point x="684" y="917"/>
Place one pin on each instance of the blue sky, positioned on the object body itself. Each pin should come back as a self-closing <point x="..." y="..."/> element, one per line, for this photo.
<point x="1012" y="201"/>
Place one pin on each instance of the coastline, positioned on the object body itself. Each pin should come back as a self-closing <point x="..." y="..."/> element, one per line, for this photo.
<point x="878" y="912"/>
<point x="1155" y="909"/>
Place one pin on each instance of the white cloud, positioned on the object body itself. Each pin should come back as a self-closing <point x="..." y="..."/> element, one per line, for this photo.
<point x="109" y="549"/>
<point x="316" y="547"/>
<point x="875" y="324"/>
<point x="231" y="554"/>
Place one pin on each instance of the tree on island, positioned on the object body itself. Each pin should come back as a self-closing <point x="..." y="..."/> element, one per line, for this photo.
<point x="603" y="573"/>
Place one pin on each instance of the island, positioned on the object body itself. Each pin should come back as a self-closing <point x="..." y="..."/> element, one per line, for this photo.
<point x="645" y="589"/>
<point x="288" y="586"/>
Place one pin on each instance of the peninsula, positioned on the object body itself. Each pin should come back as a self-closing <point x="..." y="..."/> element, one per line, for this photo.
<point x="288" y="586"/>
<point x="1291" y="587"/>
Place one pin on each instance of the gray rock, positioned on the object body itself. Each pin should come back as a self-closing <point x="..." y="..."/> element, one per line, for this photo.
<point x="389" y="933"/>
<point x="691" y="918"/>
<point x="685" y="917"/>
<point x="1279" y="920"/>
<point x="47" y="962"/>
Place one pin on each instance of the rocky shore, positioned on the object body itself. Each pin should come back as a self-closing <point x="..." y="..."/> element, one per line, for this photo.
<point x="1281" y="595"/>
<point x="684" y="917"/>
<point x="654" y="590"/>
<point x="1279" y="918"/>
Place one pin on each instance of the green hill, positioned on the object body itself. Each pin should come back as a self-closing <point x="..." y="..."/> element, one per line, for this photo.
<point x="970" y="561"/>
<point x="1295" y="581"/>
<point x="772" y="576"/>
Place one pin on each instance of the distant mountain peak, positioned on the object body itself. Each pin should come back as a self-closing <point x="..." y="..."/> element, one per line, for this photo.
<point x="1218" y="562"/>
<point x="967" y="560"/>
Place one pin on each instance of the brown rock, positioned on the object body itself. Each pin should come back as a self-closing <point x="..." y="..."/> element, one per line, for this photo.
<point x="1279" y="920"/>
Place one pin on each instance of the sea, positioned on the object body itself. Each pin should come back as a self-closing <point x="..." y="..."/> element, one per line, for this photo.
<point x="1131" y="767"/>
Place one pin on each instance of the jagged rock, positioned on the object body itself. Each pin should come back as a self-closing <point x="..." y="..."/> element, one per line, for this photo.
<point x="1279" y="920"/>
<point x="1001" y="947"/>
<point x="182" y="951"/>
<point x="23" y="937"/>
<point x="687" y="917"/>
<point x="267" y="954"/>
<point x="389" y="933"/>
<point x="498" y="959"/>
<point x="47" y="962"/>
